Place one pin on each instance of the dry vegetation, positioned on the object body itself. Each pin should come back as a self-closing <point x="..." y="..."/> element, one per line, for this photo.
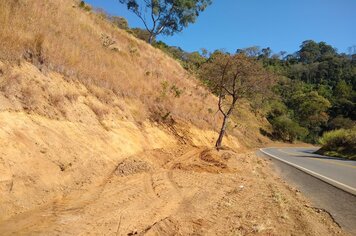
<point x="110" y="137"/>
<point x="58" y="36"/>
<point x="113" y="65"/>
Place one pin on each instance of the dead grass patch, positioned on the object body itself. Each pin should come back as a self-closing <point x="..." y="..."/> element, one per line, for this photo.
<point x="99" y="110"/>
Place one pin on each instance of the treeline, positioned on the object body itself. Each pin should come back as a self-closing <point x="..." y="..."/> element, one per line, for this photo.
<point x="316" y="94"/>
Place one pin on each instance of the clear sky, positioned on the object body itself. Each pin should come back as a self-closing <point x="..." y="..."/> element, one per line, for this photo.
<point x="279" y="24"/>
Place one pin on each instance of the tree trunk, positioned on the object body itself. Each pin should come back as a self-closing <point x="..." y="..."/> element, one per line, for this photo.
<point x="150" y="39"/>
<point x="226" y="118"/>
<point x="222" y="132"/>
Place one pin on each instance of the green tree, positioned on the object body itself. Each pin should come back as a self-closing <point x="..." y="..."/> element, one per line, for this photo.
<point x="341" y="123"/>
<point x="311" y="112"/>
<point x="287" y="130"/>
<point x="253" y="51"/>
<point x="342" y="90"/>
<point x="309" y="51"/>
<point x="343" y="107"/>
<point x="166" y="16"/>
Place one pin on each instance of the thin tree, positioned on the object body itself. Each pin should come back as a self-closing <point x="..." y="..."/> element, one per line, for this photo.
<point x="232" y="78"/>
<point x="166" y="16"/>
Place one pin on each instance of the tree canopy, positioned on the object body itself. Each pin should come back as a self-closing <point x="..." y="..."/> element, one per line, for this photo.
<point x="166" y="16"/>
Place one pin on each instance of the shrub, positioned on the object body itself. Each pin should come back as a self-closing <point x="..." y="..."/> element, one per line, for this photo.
<point x="287" y="130"/>
<point x="177" y="92"/>
<point x="140" y="34"/>
<point x="84" y="6"/>
<point x="35" y="50"/>
<point x="119" y="22"/>
<point x="339" y="143"/>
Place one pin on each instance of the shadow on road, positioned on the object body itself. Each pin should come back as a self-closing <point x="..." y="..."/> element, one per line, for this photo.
<point x="314" y="155"/>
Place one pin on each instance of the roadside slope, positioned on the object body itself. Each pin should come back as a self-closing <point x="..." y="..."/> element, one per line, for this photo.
<point x="78" y="95"/>
<point x="103" y="134"/>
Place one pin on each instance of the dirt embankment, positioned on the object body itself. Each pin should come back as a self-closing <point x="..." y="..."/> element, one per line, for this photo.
<point x="67" y="168"/>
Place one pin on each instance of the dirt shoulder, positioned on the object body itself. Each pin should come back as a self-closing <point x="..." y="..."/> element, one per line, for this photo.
<point x="181" y="191"/>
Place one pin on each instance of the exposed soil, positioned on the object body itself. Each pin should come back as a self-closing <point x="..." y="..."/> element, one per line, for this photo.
<point x="83" y="150"/>
<point x="189" y="191"/>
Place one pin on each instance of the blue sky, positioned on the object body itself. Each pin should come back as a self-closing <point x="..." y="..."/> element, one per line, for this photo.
<point x="279" y="24"/>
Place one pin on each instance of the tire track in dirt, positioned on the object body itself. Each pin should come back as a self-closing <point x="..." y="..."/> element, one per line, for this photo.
<point x="70" y="204"/>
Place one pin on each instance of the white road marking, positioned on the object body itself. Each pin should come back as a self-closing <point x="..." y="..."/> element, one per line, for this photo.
<point x="335" y="183"/>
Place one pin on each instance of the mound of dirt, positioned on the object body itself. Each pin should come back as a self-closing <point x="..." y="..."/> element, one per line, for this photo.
<point x="207" y="160"/>
<point x="133" y="166"/>
<point x="212" y="158"/>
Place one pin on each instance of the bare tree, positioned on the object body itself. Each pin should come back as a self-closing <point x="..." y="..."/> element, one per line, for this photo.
<point x="233" y="77"/>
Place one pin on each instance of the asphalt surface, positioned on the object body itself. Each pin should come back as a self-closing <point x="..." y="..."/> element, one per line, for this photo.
<point x="340" y="204"/>
<point x="338" y="172"/>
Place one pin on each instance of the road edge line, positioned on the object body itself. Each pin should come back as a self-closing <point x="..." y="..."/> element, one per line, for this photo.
<point x="334" y="183"/>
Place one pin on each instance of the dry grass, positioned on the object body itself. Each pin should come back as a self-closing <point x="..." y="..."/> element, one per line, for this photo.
<point x="59" y="36"/>
<point x="130" y="79"/>
<point x="99" y="110"/>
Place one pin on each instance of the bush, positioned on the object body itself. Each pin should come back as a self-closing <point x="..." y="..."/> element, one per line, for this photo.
<point x="339" y="143"/>
<point x="84" y="6"/>
<point x="287" y="130"/>
<point x="341" y="123"/>
<point x="140" y="34"/>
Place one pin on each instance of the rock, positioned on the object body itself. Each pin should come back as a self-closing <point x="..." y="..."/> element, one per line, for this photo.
<point x="132" y="166"/>
<point x="107" y="41"/>
<point x="115" y="47"/>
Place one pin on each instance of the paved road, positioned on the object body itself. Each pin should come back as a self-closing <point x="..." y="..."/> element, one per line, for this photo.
<point x="337" y="172"/>
<point x="340" y="204"/>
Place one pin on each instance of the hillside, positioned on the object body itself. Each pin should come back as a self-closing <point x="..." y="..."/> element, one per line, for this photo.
<point x="103" y="134"/>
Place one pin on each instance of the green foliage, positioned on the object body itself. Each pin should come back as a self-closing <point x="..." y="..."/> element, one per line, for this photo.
<point x="343" y="107"/>
<point x="173" y="89"/>
<point x="166" y="16"/>
<point x="277" y="108"/>
<point x="189" y="61"/>
<point x="177" y="92"/>
<point x="310" y="109"/>
<point x="141" y="34"/>
<point x="120" y="22"/>
<point x="164" y="86"/>
<point x="342" y="90"/>
<point x="341" y="123"/>
<point x="85" y="6"/>
<point x="319" y="91"/>
<point x="82" y="4"/>
<point x="311" y="51"/>
<point x="287" y="130"/>
<point x="339" y="143"/>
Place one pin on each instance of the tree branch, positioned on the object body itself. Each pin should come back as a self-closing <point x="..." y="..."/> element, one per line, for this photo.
<point x="230" y="93"/>
<point x="220" y="104"/>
